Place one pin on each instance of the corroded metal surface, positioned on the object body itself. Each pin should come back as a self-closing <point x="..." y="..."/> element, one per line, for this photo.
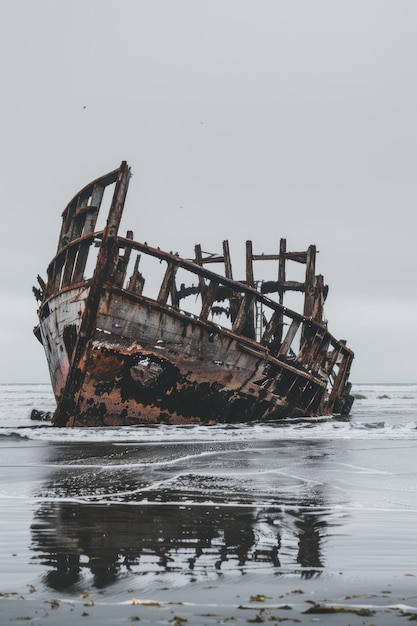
<point x="119" y="355"/>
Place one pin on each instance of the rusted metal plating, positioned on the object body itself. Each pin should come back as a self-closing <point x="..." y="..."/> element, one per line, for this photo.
<point x="119" y="355"/>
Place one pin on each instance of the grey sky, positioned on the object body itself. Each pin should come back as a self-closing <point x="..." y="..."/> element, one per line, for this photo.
<point x="309" y="132"/>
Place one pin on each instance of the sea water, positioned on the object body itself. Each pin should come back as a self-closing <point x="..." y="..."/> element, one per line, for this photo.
<point x="160" y="507"/>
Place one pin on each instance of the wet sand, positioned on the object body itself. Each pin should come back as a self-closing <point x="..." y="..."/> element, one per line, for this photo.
<point x="341" y="602"/>
<point x="307" y="524"/>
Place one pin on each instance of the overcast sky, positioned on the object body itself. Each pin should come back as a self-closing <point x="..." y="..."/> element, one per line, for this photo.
<point x="241" y="119"/>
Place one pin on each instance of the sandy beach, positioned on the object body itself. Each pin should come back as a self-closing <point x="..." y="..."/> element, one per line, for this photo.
<point x="322" y="601"/>
<point x="298" y="523"/>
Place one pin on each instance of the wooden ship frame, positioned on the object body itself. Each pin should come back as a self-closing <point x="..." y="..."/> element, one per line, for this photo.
<point x="118" y="356"/>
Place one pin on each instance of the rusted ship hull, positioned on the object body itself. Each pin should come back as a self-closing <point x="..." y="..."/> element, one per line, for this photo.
<point x="118" y="356"/>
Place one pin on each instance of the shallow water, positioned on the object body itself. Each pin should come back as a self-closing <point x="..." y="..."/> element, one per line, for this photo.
<point x="170" y="507"/>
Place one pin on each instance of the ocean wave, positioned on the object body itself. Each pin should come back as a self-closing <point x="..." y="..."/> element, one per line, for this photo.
<point x="328" y="429"/>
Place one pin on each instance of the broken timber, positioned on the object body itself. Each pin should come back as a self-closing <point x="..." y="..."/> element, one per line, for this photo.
<point x="121" y="355"/>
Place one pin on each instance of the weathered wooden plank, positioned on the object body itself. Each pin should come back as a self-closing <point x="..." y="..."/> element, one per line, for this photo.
<point x="273" y="286"/>
<point x="281" y="269"/>
<point x="341" y="378"/>
<point x="272" y="327"/>
<point x="208" y="299"/>
<point x="243" y="323"/>
<point x="167" y="282"/>
<point x="310" y="281"/>
<point x="136" y="281"/>
<point x="250" y="280"/>
<point x="227" y="260"/>
<point x="298" y="257"/>
<point x="289" y="337"/>
<point x="199" y="261"/>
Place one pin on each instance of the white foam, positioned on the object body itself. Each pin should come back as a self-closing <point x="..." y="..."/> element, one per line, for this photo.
<point x="379" y="412"/>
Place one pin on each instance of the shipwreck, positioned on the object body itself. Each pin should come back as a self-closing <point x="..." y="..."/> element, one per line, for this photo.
<point x="135" y="335"/>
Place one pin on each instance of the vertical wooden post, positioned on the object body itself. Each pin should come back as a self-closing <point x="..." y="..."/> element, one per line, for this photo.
<point x="123" y="262"/>
<point x="233" y="300"/>
<point x="248" y="305"/>
<point x="208" y="299"/>
<point x="341" y="378"/>
<point x="317" y="312"/>
<point x="227" y="261"/>
<point x="310" y="281"/>
<point x="167" y="282"/>
<point x="250" y="281"/>
<point x="309" y="289"/>
<point x="279" y="327"/>
<point x="281" y="269"/>
<point x="136" y="281"/>
<point x="199" y="261"/>
<point x="243" y="324"/>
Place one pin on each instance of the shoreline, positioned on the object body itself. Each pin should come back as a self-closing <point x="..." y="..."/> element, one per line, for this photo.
<point x="303" y="524"/>
<point x="325" y="600"/>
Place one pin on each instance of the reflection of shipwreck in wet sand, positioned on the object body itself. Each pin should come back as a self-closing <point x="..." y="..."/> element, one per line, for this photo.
<point x="76" y="541"/>
<point x="119" y="354"/>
